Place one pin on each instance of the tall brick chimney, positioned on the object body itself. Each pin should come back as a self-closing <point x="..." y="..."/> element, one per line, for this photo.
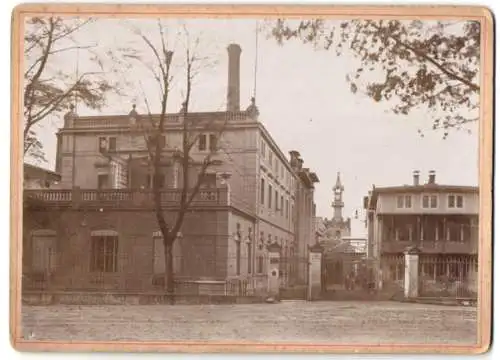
<point x="233" y="79"/>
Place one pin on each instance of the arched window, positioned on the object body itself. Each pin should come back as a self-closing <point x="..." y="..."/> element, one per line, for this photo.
<point x="104" y="251"/>
<point x="43" y="250"/>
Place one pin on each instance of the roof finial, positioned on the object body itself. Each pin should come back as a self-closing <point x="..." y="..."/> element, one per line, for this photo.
<point x="252" y="109"/>
<point x="133" y="112"/>
<point x="338" y="183"/>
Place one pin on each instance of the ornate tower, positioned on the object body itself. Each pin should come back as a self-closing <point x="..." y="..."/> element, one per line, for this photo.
<point x="338" y="203"/>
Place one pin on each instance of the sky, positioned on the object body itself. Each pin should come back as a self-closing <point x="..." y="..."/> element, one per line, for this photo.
<point x="304" y="102"/>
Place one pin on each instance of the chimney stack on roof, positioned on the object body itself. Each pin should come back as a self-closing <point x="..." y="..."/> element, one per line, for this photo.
<point x="233" y="80"/>
<point x="416" y="177"/>
<point x="432" y="177"/>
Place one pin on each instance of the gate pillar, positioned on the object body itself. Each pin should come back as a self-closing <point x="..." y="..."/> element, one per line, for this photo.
<point x="314" y="279"/>
<point x="273" y="270"/>
<point x="411" y="272"/>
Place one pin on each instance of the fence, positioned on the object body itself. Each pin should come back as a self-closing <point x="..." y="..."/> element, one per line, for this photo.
<point x="140" y="273"/>
<point x="454" y="277"/>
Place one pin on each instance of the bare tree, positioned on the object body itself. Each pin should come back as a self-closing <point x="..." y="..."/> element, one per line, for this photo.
<point x="423" y="64"/>
<point x="48" y="88"/>
<point x="155" y="127"/>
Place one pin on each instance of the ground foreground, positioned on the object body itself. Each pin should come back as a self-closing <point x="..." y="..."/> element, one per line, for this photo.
<point x="316" y="322"/>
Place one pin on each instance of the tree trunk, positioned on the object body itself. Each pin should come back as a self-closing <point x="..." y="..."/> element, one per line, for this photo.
<point x="169" y="269"/>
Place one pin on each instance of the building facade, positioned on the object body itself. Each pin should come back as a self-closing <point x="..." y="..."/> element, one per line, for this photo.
<point x="253" y="196"/>
<point x="441" y="221"/>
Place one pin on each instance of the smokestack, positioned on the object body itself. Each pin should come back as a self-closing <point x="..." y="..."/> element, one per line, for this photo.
<point x="233" y="79"/>
<point x="432" y="177"/>
<point x="416" y="177"/>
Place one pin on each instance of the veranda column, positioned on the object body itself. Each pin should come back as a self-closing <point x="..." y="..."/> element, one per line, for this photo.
<point x="411" y="272"/>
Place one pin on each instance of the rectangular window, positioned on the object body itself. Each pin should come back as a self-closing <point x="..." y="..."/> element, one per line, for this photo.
<point x="102" y="181"/>
<point x="263" y="148"/>
<point x="103" y="144"/>
<point x="455" y="201"/>
<point x="282" y="203"/>
<point x="160" y="178"/>
<point x="104" y="251"/>
<point x="287" y="209"/>
<point x="202" y="142"/>
<point x="152" y="141"/>
<point x="429" y="201"/>
<point x="434" y="201"/>
<point x="400" y="202"/>
<point x="262" y="191"/>
<point x="276" y="205"/>
<point x="455" y="231"/>
<point x="269" y="196"/>
<point x="270" y="157"/>
<point x="112" y="144"/>
<point x="276" y="167"/>
<point x="238" y="258"/>
<point x="158" y="255"/>
<point x="213" y="142"/>
<point x="209" y="180"/>
<point x="249" y="258"/>
<point x="269" y="238"/>
<point x="404" y="233"/>
<point x="260" y="264"/>
<point x="408" y="201"/>
<point x="43" y="253"/>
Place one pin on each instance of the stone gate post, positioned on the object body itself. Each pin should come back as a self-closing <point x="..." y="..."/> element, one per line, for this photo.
<point x="411" y="272"/>
<point x="273" y="270"/>
<point x="314" y="272"/>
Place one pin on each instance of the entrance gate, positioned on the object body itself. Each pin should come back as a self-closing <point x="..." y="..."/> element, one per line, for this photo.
<point x="294" y="271"/>
<point x="348" y="277"/>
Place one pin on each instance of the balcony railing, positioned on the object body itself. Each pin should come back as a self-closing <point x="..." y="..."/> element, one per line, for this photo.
<point x="441" y="246"/>
<point x="125" y="121"/>
<point x="123" y="197"/>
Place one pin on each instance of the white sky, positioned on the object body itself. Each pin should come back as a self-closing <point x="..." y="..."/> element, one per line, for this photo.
<point x="306" y="105"/>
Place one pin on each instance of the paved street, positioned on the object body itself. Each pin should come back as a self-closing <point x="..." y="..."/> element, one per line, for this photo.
<point x="326" y="322"/>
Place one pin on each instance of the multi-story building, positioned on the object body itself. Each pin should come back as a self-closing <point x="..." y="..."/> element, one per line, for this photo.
<point x="304" y="217"/>
<point x="252" y="196"/>
<point x="441" y="221"/>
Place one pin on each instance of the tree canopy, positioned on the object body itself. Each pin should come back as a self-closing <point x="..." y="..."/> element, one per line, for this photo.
<point x="49" y="89"/>
<point x="408" y="64"/>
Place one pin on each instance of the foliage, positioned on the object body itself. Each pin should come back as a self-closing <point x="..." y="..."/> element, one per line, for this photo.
<point x="49" y="90"/>
<point x="421" y="64"/>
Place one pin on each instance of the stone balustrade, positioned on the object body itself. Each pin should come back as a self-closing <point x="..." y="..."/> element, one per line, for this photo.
<point x="123" y="198"/>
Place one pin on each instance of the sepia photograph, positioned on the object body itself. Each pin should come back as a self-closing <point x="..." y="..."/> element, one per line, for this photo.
<point x="252" y="179"/>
